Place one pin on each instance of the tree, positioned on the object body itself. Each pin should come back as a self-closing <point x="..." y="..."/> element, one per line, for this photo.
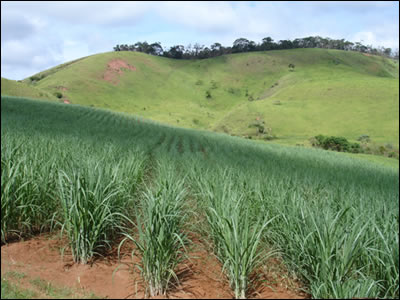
<point x="309" y="42"/>
<point x="176" y="51"/>
<point x="156" y="49"/>
<point x="285" y="44"/>
<point x="197" y="48"/>
<point x="267" y="43"/>
<point x="216" y="49"/>
<point x="348" y="45"/>
<point x="142" y="47"/>
<point x="357" y="46"/>
<point x="205" y="53"/>
<point x="124" y="47"/>
<point x="188" y="52"/>
<point x="363" y="49"/>
<point x="252" y="46"/>
<point x="387" y="51"/>
<point x="245" y="45"/>
<point x="240" y="45"/>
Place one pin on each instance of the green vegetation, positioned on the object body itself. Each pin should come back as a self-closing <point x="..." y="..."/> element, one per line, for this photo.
<point x="245" y="45"/>
<point x="12" y="291"/>
<point x="236" y="229"/>
<point x="104" y="190"/>
<point x="333" y="219"/>
<point x="335" y="143"/>
<point x="161" y="239"/>
<point x="331" y="92"/>
<point x="23" y="89"/>
<point x="39" y="289"/>
<point x="341" y="144"/>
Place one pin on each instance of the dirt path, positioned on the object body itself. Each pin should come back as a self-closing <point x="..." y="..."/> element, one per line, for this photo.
<point x="107" y="277"/>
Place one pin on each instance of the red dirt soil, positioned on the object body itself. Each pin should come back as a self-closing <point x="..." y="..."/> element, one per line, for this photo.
<point x="115" y="69"/>
<point x="62" y="88"/>
<point x="200" y="278"/>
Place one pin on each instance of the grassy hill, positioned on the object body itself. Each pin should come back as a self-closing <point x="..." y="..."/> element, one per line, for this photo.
<point x="330" y="92"/>
<point x="22" y="89"/>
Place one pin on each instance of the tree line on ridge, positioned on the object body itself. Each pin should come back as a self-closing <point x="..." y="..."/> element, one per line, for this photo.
<point x="198" y="51"/>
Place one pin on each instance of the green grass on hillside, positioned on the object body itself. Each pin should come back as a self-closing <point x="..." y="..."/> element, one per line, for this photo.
<point x="330" y="92"/>
<point x="22" y="89"/>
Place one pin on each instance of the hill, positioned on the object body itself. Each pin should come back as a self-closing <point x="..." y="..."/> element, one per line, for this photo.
<point x="22" y="89"/>
<point x="329" y="92"/>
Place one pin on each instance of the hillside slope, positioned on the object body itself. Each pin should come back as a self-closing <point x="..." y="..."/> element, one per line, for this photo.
<point x="22" y="89"/>
<point x="329" y="92"/>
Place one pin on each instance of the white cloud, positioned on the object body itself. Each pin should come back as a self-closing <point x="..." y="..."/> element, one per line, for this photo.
<point x="205" y="16"/>
<point x="376" y="38"/>
<point x="18" y="26"/>
<point x="37" y="35"/>
<point x="81" y="12"/>
<point x="73" y="49"/>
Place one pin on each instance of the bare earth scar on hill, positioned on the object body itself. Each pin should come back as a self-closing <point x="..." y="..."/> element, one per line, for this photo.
<point x="201" y="277"/>
<point x="115" y="69"/>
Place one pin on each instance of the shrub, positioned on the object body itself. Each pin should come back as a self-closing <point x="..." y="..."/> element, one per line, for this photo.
<point x="37" y="77"/>
<point x="382" y="150"/>
<point x="389" y="146"/>
<point x="58" y="95"/>
<point x="233" y="91"/>
<point x="355" y="148"/>
<point x="208" y="95"/>
<point x="270" y="137"/>
<point x="335" y="143"/>
<point x="259" y="125"/>
<point x="364" y="138"/>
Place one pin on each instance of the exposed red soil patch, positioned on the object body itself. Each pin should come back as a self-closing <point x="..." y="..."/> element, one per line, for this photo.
<point x="66" y="101"/>
<point x="115" y="69"/>
<point x="366" y="54"/>
<point x="200" y="277"/>
<point x="40" y="258"/>
<point x="62" y="88"/>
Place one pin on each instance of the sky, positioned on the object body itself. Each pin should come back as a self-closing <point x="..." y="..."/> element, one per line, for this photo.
<point x="38" y="35"/>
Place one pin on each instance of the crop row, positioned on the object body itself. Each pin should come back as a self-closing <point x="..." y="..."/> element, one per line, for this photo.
<point x="333" y="220"/>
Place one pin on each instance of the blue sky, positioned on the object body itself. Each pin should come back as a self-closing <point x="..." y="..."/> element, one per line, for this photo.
<point x="38" y="35"/>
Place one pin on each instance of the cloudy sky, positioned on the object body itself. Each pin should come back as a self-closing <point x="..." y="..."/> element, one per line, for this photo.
<point x="38" y="35"/>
